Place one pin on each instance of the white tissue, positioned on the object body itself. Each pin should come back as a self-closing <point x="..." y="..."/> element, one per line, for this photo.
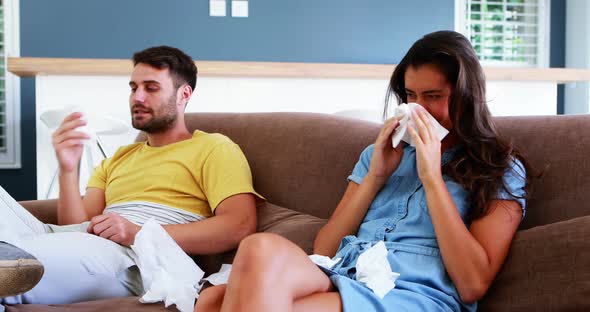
<point x="88" y="128"/>
<point x="324" y="261"/>
<point x="373" y="270"/>
<point x="167" y="272"/>
<point x="220" y="277"/>
<point x="401" y="133"/>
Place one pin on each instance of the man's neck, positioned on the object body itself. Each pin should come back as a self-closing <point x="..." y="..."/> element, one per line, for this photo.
<point x="168" y="137"/>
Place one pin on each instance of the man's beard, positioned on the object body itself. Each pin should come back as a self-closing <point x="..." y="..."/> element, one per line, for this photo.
<point x="161" y="121"/>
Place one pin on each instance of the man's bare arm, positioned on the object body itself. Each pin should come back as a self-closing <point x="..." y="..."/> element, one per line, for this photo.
<point x="235" y="218"/>
<point x="68" y="142"/>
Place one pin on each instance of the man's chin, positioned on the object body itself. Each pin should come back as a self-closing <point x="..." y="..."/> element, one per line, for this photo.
<point x="141" y="126"/>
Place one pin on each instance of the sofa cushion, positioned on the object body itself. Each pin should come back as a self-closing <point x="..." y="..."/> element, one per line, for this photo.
<point x="298" y="160"/>
<point x="298" y="227"/>
<point x="546" y="269"/>
<point x="561" y="194"/>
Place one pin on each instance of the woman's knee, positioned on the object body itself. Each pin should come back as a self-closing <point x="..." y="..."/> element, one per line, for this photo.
<point x="261" y="250"/>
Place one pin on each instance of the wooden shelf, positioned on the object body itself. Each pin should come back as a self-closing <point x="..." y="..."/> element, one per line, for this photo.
<point x="33" y="66"/>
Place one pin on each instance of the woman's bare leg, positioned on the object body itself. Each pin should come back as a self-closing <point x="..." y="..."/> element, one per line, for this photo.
<point x="320" y="302"/>
<point x="211" y="300"/>
<point x="270" y="273"/>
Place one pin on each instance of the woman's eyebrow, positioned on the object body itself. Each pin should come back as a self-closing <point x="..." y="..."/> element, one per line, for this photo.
<point x="425" y="92"/>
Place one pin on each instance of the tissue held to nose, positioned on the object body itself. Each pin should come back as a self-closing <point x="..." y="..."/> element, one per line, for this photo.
<point x="401" y="133"/>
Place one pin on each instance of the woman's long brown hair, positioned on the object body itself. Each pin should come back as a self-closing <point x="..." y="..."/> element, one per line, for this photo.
<point x="479" y="166"/>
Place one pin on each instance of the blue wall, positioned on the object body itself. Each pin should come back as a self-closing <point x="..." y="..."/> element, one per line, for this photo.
<point x="343" y="31"/>
<point x="557" y="48"/>
<point x="368" y="31"/>
<point x="339" y="31"/>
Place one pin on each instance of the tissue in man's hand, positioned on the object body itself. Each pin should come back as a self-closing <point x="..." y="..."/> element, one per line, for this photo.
<point x="88" y="128"/>
<point x="401" y="133"/>
<point x="53" y="119"/>
<point x="373" y="270"/>
<point x="167" y="272"/>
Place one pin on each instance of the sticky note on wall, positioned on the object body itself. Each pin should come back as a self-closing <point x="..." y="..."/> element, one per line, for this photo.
<point x="217" y="8"/>
<point x="239" y="8"/>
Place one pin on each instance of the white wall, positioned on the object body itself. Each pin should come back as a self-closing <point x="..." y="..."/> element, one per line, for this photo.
<point x="100" y="95"/>
<point x="577" y="55"/>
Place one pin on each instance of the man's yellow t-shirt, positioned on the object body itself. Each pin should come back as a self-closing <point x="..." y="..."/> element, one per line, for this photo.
<point x="194" y="175"/>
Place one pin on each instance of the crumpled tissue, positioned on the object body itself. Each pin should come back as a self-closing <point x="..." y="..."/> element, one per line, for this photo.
<point x="167" y="272"/>
<point x="220" y="277"/>
<point x="373" y="270"/>
<point x="401" y="133"/>
<point x="324" y="261"/>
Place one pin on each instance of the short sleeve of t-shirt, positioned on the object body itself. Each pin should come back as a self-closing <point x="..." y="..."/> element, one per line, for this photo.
<point x="362" y="166"/>
<point x="514" y="184"/>
<point x="99" y="176"/>
<point x="225" y="173"/>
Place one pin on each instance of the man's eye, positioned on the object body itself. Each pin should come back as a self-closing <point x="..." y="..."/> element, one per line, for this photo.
<point x="434" y="97"/>
<point x="133" y="89"/>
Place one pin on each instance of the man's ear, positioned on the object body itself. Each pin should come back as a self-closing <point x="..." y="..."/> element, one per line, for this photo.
<point x="185" y="93"/>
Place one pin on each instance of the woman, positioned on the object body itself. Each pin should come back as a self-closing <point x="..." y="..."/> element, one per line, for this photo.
<point x="447" y="211"/>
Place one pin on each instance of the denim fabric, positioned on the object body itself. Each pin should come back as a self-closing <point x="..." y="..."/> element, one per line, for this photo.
<point x="399" y="216"/>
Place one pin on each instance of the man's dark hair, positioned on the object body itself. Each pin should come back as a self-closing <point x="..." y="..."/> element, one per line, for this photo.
<point x="181" y="66"/>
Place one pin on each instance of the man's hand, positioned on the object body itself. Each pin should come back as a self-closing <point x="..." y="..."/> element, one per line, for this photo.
<point x="114" y="227"/>
<point x="68" y="142"/>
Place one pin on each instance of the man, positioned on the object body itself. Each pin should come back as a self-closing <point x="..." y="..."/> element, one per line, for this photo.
<point x="198" y="185"/>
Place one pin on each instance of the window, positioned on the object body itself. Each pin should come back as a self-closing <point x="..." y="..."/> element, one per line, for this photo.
<point x="9" y="87"/>
<point x="506" y="32"/>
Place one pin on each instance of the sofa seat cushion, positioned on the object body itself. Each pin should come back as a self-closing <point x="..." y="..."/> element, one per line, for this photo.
<point x="546" y="269"/>
<point x="298" y="227"/>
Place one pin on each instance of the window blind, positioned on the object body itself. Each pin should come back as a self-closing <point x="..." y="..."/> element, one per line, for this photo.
<point x="505" y="31"/>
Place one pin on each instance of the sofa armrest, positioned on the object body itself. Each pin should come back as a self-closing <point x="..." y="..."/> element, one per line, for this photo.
<point x="44" y="210"/>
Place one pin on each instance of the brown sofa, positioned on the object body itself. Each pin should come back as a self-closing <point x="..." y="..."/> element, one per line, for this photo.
<point x="300" y="162"/>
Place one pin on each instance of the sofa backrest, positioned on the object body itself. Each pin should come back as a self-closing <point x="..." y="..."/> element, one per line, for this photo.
<point x="301" y="160"/>
<point x="298" y="160"/>
<point x="561" y="146"/>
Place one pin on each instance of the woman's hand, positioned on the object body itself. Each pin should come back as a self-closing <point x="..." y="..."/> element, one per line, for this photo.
<point x="385" y="158"/>
<point x="428" y="147"/>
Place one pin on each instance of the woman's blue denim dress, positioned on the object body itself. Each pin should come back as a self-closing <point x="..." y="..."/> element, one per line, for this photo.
<point x="399" y="216"/>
